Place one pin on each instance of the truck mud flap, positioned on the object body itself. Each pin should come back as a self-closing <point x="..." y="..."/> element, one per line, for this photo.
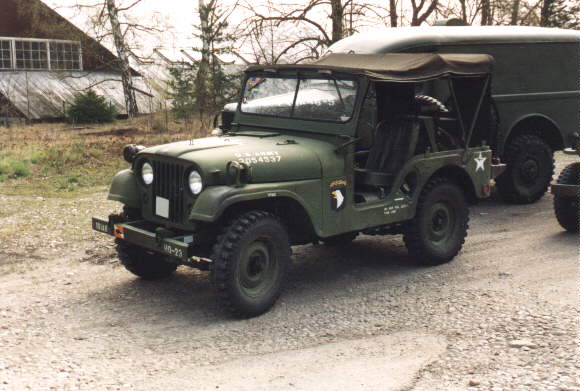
<point x="138" y="233"/>
<point x="497" y="170"/>
<point x="567" y="191"/>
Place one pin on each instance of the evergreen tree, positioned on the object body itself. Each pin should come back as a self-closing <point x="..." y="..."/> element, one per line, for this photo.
<point x="181" y="91"/>
<point x="213" y="87"/>
<point x="561" y="13"/>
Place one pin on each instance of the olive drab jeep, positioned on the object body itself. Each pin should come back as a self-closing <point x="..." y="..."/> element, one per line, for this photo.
<point x="313" y="153"/>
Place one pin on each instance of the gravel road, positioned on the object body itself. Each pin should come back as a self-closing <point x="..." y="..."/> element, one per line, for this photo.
<point x="504" y="315"/>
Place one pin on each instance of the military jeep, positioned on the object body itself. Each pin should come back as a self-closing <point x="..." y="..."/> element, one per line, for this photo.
<point x="313" y="153"/>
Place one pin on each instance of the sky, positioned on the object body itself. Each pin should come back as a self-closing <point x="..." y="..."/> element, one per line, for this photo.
<point x="178" y="16"/>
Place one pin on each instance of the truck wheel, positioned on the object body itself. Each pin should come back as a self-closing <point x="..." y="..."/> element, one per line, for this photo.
<point x="340" y="240"/>
<point x="437" y="232"/>
<point x="143" y="263"/>
<point x="250" y="263"/>
<point x="530" y="166"/>
<point x="566" y="208"/>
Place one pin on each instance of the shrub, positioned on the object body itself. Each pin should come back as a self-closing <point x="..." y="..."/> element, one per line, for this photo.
<point x="21" y="169"/>
<point x="90" y="108"/>
<point x="13" y="168"/>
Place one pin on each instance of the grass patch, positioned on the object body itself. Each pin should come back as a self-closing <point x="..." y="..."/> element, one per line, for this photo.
<point x="13" y="167"/>
<point x="61" y="160"/>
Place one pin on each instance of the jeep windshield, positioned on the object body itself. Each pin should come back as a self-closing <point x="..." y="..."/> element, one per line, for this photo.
<point x="305" y="98"/>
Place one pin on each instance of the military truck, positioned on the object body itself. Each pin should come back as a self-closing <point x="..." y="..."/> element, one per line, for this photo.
<point x="566" y="192"/>
<point x="318" y="152"/>
<point x="535" y="90"/>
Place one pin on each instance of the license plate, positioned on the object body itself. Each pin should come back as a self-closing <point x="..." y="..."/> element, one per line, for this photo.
<point x="176" y="251"/>
<point x="162" y="207"/>
<point x="101" y="227"/>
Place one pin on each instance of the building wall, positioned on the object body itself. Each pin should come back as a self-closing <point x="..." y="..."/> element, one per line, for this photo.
<point x="33" y="19"/>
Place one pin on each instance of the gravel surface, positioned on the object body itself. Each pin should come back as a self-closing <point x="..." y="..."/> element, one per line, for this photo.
<point x="504" y="315"/>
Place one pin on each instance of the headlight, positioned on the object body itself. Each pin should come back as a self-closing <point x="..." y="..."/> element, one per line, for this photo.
<point x="195" y="183"/>
<point x="147" y="173"/>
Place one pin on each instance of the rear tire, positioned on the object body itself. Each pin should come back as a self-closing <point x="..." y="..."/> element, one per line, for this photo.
<point x="437" y="232"/>
<point x="566" y="208"/>
<point x="250" y="263"/>
<point x="530" y="167"/>
<point x="146" y="264"/>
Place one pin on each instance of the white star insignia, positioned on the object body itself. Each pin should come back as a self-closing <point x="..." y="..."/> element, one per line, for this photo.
<point x="479" y="161"/>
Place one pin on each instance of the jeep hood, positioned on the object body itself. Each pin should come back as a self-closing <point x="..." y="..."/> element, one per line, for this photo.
<point x="272" y="158"/>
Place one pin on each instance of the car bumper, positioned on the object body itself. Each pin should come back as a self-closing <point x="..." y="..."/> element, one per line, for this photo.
<point x="143" y="234"/>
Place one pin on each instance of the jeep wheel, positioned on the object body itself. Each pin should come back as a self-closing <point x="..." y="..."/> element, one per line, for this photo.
<point x="143" y="263"/>
<point x="250" y="263"/>
<point x="340" y="240"/>
<point x="437" y="232"/>
<point x="530" y="166"/>
<point x="566" y="208"/>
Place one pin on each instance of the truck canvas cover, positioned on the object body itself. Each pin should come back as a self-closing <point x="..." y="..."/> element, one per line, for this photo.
<point x="396" y="66"/>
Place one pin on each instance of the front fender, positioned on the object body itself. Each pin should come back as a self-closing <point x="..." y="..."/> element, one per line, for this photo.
<point x="125" y="189"/>
<point x="213" y="201"/>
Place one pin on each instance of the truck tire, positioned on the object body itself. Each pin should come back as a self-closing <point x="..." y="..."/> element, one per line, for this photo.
<point x="437" y="232"/>
<point x="250" y="263"/>
<point x="566" y="208"/>
<point x="340" y="240"/>
<point x="530" y="166"/>
<point x="143" y="263"/>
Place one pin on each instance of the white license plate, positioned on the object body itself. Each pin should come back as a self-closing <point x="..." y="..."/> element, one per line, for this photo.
<point x="162" y="207"/>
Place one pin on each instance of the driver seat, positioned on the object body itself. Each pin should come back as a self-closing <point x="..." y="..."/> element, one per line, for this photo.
<point x="395" y="143"/>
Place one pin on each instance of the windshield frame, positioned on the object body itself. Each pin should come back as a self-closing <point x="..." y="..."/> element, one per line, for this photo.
<point x="298" y="75"/>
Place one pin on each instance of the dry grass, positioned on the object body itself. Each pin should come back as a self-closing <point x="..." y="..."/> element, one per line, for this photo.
<point x="59" y="159"/>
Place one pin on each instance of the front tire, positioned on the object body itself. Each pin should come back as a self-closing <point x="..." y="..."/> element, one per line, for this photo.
<point x="530" y="167"/>
<point x="566" y="208"/>
<point x="437" y="232"/>
<point x="250" y="263"/>
<point x="143" y="263"/>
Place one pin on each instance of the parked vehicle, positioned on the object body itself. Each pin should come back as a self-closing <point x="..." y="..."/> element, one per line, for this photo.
<point x="318" y="152"/>
<point x="535" y="90"/>
<point x="567" y="192"/>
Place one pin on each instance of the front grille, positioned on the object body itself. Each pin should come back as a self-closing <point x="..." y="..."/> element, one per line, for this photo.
<point x="169" y="183"/>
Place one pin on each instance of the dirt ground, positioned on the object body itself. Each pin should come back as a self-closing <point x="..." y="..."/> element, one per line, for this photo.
<point x="504" y="315"/>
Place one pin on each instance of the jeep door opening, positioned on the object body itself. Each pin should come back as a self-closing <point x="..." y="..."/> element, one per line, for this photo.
<point x="319" y="152"/>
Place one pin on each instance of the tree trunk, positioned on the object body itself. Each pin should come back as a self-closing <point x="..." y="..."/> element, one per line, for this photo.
<point x="123" y="60"/>
<point x="515" y="12"/>
<point x="485" y="13"/>
<point x="463" y="10"/>
<point x="546" y="12"/>
<point x="393" y="13"/>
<point x="337" y="16"/>
<point x="419" y="18"/>
<point x="203" y="72"/>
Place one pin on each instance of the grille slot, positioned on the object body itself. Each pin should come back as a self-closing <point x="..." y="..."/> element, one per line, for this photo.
<point x="169" y="183"/>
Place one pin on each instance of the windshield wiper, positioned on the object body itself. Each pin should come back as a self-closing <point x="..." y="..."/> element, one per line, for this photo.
<point x="253" y="134"/>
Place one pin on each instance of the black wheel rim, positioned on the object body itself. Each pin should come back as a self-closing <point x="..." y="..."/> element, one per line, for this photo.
<point x="441" y="222"/>
<point x="258" y="268"/>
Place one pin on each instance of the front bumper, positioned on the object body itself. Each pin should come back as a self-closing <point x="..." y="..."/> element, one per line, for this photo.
<point x="143" y="234"/>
